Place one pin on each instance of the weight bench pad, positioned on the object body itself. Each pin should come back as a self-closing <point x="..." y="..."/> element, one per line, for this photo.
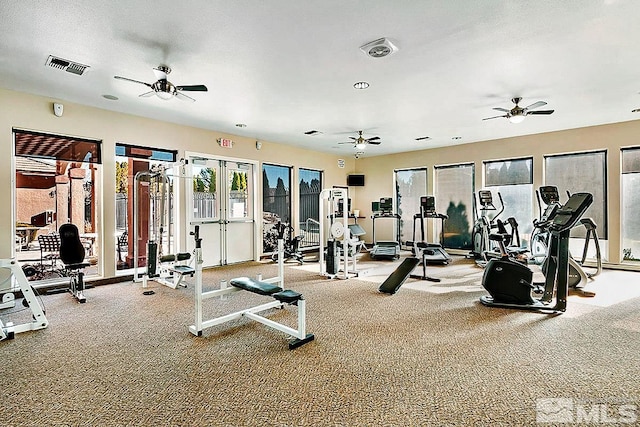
<point x="183" y="269"/>
<point x="255" y="286"/>
<point x="288" y="296"/>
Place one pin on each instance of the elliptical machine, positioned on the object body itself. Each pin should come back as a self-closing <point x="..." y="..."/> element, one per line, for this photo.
<point x="539" y="245"/>
<point x="509" y="282"/>
<point x="483" y="248"/>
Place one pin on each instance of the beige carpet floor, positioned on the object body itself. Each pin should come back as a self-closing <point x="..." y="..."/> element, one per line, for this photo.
<point x="429" y="355"/>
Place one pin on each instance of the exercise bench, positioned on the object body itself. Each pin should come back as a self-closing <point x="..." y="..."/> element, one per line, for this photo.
<point x="280" y="296"/>
<point x="271" y="287"/>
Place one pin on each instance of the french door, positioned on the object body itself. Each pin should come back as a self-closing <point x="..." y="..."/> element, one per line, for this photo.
<point x="222" y="201"/>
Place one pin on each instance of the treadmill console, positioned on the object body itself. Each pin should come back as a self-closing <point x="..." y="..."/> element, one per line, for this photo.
<point x="386" y="205"/>
<point x="428" y="205"/>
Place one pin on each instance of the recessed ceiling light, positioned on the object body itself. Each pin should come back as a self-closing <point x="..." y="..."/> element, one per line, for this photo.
<point x="456" y="137"/>
<point x="110" y="97"/>
<point x="241" y="125"/>
<point x="361" y="85"/>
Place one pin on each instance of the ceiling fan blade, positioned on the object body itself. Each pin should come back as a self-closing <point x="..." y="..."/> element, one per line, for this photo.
<point x="535" y="105"/>
<point x="501" y="109"/>
<point x="184" y="97"/>
<point x="495" y="117"/>
<point x="193" y="88"/>
<point x="375" y="142"/>
<point x="375" y="138"/>
<point x="132" y="80"/>
<point x="147" y="94"/>
<point x="546" y="112"/>
<point x="346" y="142"/>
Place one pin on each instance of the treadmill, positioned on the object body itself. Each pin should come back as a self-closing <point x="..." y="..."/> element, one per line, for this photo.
<point x="430" y="252"/>
<point x="389" y="249"/>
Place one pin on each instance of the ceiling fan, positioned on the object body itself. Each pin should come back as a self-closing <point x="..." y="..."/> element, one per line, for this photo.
<point x="517" y="113"/>
<point x="360" y="142"/>
<point x="163" y="88"/>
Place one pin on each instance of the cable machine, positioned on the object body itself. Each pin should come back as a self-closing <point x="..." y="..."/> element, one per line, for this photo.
<point x="338" y="259"/>
<point x="162" y="264"/>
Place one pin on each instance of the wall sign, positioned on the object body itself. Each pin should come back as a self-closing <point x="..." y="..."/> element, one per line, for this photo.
<point x="225" y="143"/>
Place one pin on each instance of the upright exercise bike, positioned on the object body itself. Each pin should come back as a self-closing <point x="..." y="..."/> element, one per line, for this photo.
<point x="510" y="283"/>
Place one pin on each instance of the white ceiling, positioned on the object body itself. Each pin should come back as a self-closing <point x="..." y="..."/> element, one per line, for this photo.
<point x="284" y="67"/>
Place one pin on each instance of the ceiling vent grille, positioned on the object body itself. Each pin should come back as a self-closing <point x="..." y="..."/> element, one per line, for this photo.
<point x="66" y="65"/>
<point x="379" y="48"/>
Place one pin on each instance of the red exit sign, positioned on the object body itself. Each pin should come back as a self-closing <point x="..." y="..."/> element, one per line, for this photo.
<point x="225" y="143"/>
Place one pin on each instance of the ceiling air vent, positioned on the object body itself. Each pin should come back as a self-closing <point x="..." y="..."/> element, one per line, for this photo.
<point x="379" y="48"/>
<point x="65" y="65"/>
<point x="313" y="132"/>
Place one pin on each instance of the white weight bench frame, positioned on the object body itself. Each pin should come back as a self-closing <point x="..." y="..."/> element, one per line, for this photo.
<point x="272" y="287"/>
<point x="39" y="320"/>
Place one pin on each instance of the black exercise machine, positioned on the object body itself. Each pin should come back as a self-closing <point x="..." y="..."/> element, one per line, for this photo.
<point x="510" y="283"/>
<point x="72" y="256"/>
<point x="291" y="245"/>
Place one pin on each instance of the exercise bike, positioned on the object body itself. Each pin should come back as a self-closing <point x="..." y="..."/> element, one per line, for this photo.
<point x="510" y="283"/>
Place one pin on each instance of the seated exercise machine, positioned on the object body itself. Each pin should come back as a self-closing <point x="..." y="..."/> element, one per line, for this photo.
<point x="273" y="287"/>
<point x="18" y="283"/>
<point x="168" y="270"/>
<point x="72" y="254"/>
<point x="389" y="249"/>
<point x="291" y="246"/>
<point x="429" y="252"/>
<point x="510" y="283"/>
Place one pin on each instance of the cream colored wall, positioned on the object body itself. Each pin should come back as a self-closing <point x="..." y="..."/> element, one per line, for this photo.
<point x="20" y="110"/>
<point x="379" y="170"/>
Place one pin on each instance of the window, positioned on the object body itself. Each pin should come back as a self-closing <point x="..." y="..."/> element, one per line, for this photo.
<point x="55" y="185"/>
<point x="411" y="184"/>
<point x="131" y="160"/>
<point x="276" y="202"/>
<point x="309" y="187"/>
<point x="454" y="187"/>
<point x="513" y="181"/>
<point x="581" y="172"/>
<point x="630" y="220"/>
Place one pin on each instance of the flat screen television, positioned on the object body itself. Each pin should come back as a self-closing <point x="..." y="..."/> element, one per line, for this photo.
<point x="355" y="180"/>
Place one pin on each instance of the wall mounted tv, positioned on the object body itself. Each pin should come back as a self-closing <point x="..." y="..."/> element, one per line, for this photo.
<point x="355" y="180"/>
